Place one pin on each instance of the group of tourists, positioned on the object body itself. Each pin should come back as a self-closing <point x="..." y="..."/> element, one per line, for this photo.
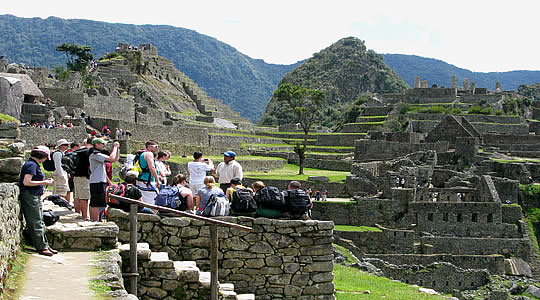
<point x="86" y="170"/>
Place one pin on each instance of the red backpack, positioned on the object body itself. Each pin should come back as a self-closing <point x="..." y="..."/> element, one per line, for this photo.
<point x="115" y="189"/>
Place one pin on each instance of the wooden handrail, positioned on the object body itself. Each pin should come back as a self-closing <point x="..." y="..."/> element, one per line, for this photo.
<point x="214" y="241"/>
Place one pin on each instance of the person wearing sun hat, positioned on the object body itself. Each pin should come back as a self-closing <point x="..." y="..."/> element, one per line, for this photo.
<point x="228" y="169"/>
<point x="60" y="176"/>
<point x="98" y="175"/>
<point x="31" y="182"/>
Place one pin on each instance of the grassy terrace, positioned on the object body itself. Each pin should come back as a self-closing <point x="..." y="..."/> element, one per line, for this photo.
<point x="368" y="123"/>
<point x="356" y="228"/>
<point x="218" y="158"/>
<point x="351" y="283"/>
<point x="515" y="160"/>
<point x="290" y="172"/>
<point x="373" y="117"/>
<point x="245" y="146"/>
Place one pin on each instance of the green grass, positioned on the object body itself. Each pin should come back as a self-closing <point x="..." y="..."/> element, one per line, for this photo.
<point x="350" y="284"/>
<point x="219" y="158"/>
<point x="373" y="117"/>
<point x="350" y="259"/>
<point x="13" y="283"/>
<point x="7" y="118"/>
<point x="246" y="145"/>
<point x="290" y="172"/>
<point x="356" y="228"/>
<point x="514" y="160"/>
<point x="367" y="123"/>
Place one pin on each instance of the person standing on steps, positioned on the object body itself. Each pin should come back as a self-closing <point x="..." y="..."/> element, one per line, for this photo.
<point x="31" y="182"/>
<point x="98" y="176"/>
<point x="60" y="176"/>
<point x="228" y="169"/>
<point x="148" y="180"/>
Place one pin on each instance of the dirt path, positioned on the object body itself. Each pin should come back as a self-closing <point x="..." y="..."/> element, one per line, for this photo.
<point x="64" y="276"/>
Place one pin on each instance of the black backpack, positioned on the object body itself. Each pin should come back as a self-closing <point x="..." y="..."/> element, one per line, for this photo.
<point x="243" y="201"/>
<point x="270" y="197"/>
<point x="48" y="164"/>
<point x="80" y="161"/>
<point x="297" y="201"/>
<point x="50" y="217"/>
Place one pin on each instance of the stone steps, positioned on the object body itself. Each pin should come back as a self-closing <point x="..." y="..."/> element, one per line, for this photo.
<point x="162" y="277"/>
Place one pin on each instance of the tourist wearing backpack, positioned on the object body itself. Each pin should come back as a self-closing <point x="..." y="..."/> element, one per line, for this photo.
<point x="176" y="196"/>
<point x="98" y="176"/>
<point x="81" y="183"/>
<point x="204" y="194"/>
<point x="241" y="199"/>
<point x="269" y="200"/>
<point x="31" y="182"/>
<point x="60" y="176"/>
<point x="148" y="181"/>
<point x="129" y="191"/>
<point x="297" y="201"/>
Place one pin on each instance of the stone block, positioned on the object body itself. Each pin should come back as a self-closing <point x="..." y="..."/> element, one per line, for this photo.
<point x="318" y="178"/>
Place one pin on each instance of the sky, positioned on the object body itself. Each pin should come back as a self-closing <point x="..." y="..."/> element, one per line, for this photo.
<point x="478" y="35"/>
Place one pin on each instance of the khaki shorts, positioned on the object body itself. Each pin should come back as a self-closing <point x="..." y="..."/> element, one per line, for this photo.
<point x="82" y="188"/>
<point x="60" y="186"/>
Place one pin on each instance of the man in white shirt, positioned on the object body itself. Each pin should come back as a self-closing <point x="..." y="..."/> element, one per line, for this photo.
<point x="197" y="171"/>
<point x="60" y="176"/>
<point x="228" y="169"/>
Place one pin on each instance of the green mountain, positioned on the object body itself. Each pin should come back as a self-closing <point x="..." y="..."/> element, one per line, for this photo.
<point x="343" y="71"/>
<point x="438" y="72"/>
<point x="240" y="81"/>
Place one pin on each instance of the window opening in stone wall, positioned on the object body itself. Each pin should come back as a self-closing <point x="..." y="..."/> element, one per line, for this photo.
<point x="447" y="283"/>
<point x="430" y="216"/>
<point x="445" y="217"/>
<point x="433" y="283"/>
<point x="490" y="218"/>
<point x="395" y="233"/>
<point x="459" y="217"/>
<point x="475" y="217"/>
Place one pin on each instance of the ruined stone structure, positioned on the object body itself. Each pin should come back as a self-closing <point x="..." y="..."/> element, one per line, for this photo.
<point x="279" y="259"/>
<point x="11" y="229"/>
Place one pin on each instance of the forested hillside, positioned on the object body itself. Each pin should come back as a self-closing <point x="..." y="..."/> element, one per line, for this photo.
<point x="223" y="72"/>
<point x="343" y="71"/>
<point x="438" y="72"/>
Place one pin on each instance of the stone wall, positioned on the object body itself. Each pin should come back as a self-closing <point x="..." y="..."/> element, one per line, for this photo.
<point x="470" y="118"/>
<point x="475" y="99"/>
<point x="366" y="211"/>
<point x="386" y="241"/>
<point x="66" y="98"/>
<point x="479" y="246"/>
<point x="442" y="276"/>
<point x="10" y="130"/>
<point x="493" y="263"/>
<point x="234" y="142"/>
<point x="110" y="107"/>
<point x="463" y="219"/>
<point x="338" y="139"/>
<point x="40" y="136"/>
<point x="11" y="229"/>
<point x="34" y="112"/>
<point x="493" y="139"/>
<point x="509" y="129"/>
<point x="430" y="95"/>
<point x="285" y="259"/>
<point x="370" y="150"/>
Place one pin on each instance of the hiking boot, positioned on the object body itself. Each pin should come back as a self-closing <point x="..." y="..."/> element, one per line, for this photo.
<point x="45" y="252"/>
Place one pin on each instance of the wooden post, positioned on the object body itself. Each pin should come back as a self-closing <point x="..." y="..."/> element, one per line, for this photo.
<point x="133" y="208"/>
<point x="214" y="245"/>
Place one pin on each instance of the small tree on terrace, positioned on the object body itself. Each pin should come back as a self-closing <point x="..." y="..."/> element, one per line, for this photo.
<point x="78" y="56"/>
<point x="305" y="103"/>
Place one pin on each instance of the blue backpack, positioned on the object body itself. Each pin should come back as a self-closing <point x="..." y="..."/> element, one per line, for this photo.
<point x="169" y="196"/>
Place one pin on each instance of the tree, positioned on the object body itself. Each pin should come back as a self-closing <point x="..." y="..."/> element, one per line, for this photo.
<point x="78" y="56"/>
<point x="306" y="103"/>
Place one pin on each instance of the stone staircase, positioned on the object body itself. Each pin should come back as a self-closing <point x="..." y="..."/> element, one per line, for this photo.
<point x="161" y="277"/>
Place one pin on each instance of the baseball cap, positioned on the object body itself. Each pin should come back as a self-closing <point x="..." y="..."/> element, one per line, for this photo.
<point x="99" y="141"/>
<point x="61" y="142"/>
<point x="45" y="150"/>
<point x="229" y="154"/>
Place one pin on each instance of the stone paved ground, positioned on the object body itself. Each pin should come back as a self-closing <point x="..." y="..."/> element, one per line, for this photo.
<point x="64" y="276"/>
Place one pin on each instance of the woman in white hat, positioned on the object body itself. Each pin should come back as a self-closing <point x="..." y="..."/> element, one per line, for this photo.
<point x="31" y="182"/>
